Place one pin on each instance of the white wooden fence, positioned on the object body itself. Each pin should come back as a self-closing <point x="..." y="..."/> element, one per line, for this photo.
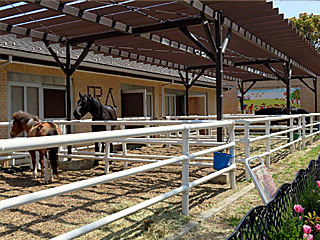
<point x="23" y="144"/>
<point x="297" y="133"/>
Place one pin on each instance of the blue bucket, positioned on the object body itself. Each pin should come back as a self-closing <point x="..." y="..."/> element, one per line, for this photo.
<point x="221" y="160"/>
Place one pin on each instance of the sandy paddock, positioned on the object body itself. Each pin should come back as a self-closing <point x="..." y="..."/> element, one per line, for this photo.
<point x="51" y="217"/>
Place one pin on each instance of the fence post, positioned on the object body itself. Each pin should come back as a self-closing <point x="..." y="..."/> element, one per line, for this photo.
<point x="148" y="145"/>
<point x="232" y="175"/>
<point x="106" y="158"/>
<point x="247" y="146"/>
<point x="311" y="129"/>
<point x="185" y="171"/>
<point x="299" y="131"/>
<point x="267" y="126"/>
<point x="303" y="131"/>
<point x="292" y="148"/>
<point x="62" y="128"/>
<point x="124" y="149"/>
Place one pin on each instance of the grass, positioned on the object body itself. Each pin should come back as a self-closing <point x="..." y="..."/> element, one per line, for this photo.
<point x="234" y="221"/>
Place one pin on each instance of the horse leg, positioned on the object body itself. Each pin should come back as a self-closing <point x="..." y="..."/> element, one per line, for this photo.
<point x="45" y="174"/>
<point x="111" y="145"/>
<point x="96" y="149"/>
<point x="44" y="165"/>
<point x="34" y="163"/>
<point x="53" y="156"/>
<point x="102" y="147"/>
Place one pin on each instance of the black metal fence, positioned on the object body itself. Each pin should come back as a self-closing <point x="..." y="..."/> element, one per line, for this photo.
<point x="259" y="220"/>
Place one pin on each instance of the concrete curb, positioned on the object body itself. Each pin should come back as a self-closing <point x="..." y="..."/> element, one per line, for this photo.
<point x="207" y="214"/>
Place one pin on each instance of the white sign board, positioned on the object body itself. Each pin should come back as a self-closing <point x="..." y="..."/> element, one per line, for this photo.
<point x="263" y="182"/>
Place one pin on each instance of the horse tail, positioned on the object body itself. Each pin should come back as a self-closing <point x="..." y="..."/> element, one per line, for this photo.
<point x="55" y="130"/>
<point x="114" y="113"/>
<point x="53" y="156"/>
<point x="53" y="152"/>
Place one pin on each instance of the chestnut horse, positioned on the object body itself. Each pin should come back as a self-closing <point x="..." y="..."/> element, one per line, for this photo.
<point x="23" y="121"/>
<point x="86" y="104"/>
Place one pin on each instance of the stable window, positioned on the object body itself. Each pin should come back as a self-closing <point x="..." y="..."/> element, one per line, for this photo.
<point x="24" y="97"/>
<point x="170" y="104"/>
<point x="47" y="102"/>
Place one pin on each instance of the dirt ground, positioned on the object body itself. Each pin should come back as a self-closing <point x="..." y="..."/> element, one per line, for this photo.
<point x="49" y="218"/>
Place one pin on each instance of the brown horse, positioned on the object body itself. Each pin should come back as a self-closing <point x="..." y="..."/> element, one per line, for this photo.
<point x="23" y="121"/>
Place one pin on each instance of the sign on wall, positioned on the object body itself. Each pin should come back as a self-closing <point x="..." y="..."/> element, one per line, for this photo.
<point x="268" y="98"/>
<point x="95" y="91"/>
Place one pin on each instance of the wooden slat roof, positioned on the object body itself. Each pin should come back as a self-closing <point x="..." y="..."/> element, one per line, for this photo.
<point x="145" y="31"/>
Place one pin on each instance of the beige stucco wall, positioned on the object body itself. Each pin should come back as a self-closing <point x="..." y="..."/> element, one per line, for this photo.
<point x="22" y="68"/>
<point x="3" y="100"/>
<point x="82" y="79"/>
<point x="230" y="101"/>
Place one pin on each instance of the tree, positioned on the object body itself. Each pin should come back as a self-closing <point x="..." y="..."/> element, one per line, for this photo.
<point x="296" y="95"/>
<point x="309" y="26"/>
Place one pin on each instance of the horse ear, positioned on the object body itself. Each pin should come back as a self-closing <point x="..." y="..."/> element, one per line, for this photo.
<point x="80" y="95"/>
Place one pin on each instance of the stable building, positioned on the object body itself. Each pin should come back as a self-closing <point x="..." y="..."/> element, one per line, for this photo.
<point x="31" y="82"/>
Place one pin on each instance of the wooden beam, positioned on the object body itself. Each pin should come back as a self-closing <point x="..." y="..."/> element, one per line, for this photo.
<point x="242" y="33"/>
<point x="257" y="62"/>
<point x="140" y="30"/>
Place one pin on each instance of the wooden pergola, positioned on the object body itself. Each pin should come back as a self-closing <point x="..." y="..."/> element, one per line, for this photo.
<point x="243" y="41"/>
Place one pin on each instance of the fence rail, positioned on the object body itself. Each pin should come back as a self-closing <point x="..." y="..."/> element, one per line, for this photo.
<point x="21" y="144"/>
<point x="298" y="124"/>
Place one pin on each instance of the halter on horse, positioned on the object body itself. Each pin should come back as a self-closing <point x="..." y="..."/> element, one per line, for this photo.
<point x="23" y="121"/>
<point x="86" y="104"/>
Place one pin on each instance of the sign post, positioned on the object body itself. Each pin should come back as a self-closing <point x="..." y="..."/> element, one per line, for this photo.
<point x="262" y="180"/>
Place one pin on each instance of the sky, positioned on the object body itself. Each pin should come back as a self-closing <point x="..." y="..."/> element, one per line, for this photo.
<point x="294" y="8"/>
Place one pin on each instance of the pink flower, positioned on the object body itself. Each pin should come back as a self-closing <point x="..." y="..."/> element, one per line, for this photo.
<point x="308" y="236"/>
<point x="318" y="227"/>
<point x="298" y="208"/>
<point x="313" y="190"/>
<point x="299" y="218"/>
<point x="318" y="183"/>
<point x="306" y="229"/>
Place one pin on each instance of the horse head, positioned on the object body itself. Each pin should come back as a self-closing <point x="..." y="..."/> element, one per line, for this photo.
<point x="83" y="106"/>
<point x="22" y="121"/>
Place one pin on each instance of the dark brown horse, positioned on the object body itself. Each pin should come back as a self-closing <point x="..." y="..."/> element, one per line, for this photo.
<point x="282" y="111"/>
<point x="23" y="121"/>
<point x="86" y="104"/>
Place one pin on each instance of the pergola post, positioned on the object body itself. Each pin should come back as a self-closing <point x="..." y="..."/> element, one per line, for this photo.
<point x="240" y="85"/>
<point x="68" y="70"/>
<point x="219" y="72"/>
<point x="187" y="92"/>
<point x="315" y="85"/>
<point x="188" y="84"/>
<point x="287" y="77"/>
<point x="68" y="80"/>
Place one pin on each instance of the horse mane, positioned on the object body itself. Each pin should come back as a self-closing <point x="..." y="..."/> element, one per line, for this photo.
<point x="96" y="101"/>
<point x="28" y="118"/>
